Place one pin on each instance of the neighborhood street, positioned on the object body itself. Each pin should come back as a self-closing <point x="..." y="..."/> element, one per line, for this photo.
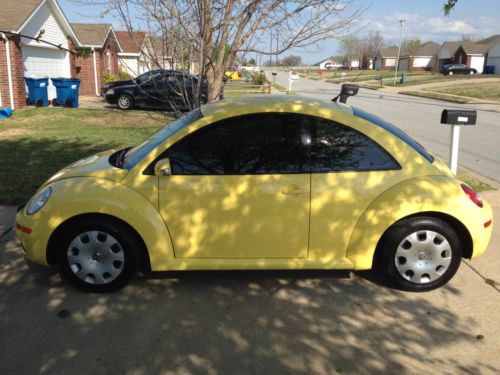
<point x="420" y="117"/>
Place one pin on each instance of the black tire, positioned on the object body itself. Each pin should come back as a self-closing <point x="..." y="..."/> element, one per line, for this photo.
<point x="125" y="102"/>
<point x="128" y="245"/>
<point x="393" y="244"/>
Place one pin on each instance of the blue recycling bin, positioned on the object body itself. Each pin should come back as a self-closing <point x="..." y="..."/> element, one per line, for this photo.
<point x="489" y="69"/>
<point x="67" y="92"/>
<point x="5" y="113"/>
<point x="37" y="91"/>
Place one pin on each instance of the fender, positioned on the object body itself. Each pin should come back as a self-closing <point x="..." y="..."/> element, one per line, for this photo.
<point x="83" y="195"/>
<point x="411" y="197"/>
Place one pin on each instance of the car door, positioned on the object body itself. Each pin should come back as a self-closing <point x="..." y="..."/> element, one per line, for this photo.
<point x="348" y="171"/>
<point x="151" y="91"/>
<point x="239" y="188"/>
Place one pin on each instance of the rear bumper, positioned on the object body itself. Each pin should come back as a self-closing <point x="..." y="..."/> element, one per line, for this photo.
<point x="481" y="235"/>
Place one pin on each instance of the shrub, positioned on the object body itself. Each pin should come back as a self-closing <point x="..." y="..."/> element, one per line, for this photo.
<point x="258" y="78"/>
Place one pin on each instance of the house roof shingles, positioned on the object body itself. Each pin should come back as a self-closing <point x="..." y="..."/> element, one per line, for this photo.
<point x="91" y="34"/>
<point x="14" y="12"/>
<point x="428" y="49"/>
<point x="471" y="48"/>
<point x="389" y="52"/>
<point x="131" y="42"/>
<point x="490" y="41"/>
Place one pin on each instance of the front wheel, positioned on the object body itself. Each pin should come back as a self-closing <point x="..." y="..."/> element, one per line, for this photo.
<point x="471" y="72"/>
<point x="420" y="254"/>
<point x="97" y="256"/>
<point x="125" y="102"/>
<point x="450" y="73"/>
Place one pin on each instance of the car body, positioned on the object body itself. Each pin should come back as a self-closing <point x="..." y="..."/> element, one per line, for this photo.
<point x="258" y="182"/>
<point x="450" y="69"/>
<point x="157" y="89"/>
<point x="333" y="65"/>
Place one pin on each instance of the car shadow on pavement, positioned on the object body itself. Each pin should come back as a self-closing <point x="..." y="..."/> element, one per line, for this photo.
<point x="279" y="322"/>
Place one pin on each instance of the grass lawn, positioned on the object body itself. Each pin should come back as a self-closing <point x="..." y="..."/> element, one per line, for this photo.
<point x="488" y="91"/>
<point x="37" y="142"/>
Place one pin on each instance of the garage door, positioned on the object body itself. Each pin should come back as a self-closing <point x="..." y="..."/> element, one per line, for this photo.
<point x="403" y="65"/>
<point x="44" y="62"/>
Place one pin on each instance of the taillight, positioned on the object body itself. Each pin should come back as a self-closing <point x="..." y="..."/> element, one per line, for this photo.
<point x="472" y="195"/>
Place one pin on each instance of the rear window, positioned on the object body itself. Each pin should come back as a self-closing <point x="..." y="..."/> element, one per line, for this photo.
<point x="394" y="131"/>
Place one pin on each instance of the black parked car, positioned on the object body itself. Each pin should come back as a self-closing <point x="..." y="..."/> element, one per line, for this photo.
<point x="156" y="89"/>
<point x="450" y="69"/>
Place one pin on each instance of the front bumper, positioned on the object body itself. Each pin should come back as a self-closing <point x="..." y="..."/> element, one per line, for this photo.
<point x="34" y="235"/>
<point x="110" y="98"/>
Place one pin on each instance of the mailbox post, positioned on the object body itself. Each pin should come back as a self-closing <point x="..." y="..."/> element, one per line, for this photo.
<point x="293" y="77"/>
<point x="456" y="118"/>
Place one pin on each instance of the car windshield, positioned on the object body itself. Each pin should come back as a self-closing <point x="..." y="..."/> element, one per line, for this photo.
<point x="394" y="131"/>
<point x="146" y="77"/>
<point x="137" y="153"/>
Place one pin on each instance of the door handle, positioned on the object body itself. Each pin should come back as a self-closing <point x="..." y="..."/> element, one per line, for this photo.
<point x="293" y="189"/>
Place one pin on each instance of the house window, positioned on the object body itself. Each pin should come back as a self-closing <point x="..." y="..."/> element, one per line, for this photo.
<point x="108" y="54"/>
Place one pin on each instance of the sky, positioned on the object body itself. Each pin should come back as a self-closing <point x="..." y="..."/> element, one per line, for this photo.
<point x="424" y="19"/>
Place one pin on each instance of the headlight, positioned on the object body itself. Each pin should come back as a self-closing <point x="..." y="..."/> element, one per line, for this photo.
<point x="110" y="92"/>
<point x="38" y="201"/>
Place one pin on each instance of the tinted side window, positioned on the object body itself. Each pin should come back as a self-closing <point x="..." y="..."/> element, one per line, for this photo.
<point x="253" y="144"/>
<point x="336" y="147"/>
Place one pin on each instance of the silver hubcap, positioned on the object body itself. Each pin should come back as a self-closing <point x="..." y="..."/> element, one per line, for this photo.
<point x="96" y="257"/>
<point x="423" y="257"/>
<point x="124" y="101"/>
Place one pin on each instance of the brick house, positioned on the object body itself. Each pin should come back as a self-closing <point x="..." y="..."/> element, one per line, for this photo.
<point x="102" y="41"/>
<point x="423" y="59"/>
<point x="386" y="58"/>
<point x="23" y="56"/>
<point x="471" y="54"/>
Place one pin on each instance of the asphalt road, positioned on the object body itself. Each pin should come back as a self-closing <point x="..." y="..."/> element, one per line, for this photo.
<point x="420" y="117"/>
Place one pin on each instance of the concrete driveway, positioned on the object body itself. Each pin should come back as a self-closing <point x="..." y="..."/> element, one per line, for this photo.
<point x="420" y="118"/>
<point x="248" y="322"/>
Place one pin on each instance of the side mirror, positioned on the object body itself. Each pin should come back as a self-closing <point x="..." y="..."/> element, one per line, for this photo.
<point x="162" y="167"/>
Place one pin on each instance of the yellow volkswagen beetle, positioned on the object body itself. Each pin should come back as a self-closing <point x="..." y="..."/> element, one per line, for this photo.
<point x="259" y="183"/>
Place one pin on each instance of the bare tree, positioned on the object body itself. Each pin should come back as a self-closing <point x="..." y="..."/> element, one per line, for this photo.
<point x="212" y="32"/>
<point x="372" y="44"/>
<point x="350" y="46"/>
<point x="291" y="60"/>
<point x="410" y="46"/>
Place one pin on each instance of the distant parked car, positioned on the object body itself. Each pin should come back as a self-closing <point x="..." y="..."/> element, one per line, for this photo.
<point x="333" y="66"/>
<point x="157" y="88"/>
<point x="450" y="69"/>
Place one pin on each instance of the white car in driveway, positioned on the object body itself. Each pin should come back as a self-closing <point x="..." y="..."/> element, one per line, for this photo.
<point x="333" y="65"/>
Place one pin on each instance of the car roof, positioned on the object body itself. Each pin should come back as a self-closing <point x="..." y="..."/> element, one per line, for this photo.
<point x="272" y="103"/>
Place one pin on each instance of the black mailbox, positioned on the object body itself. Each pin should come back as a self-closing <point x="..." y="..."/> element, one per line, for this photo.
<point x="349" y="90"/>
<point x="274" y="73"/>
<point x="458" y="117"/>
<point x="346" y="91"/>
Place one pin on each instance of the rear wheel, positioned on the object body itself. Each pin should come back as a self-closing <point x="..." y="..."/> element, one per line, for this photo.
<point x="420" y="254"/>
<point x="450" y="73"/>
<point x="125" y="102"/>
<point x="471" y="72"/>
<point x="97" y="255"/>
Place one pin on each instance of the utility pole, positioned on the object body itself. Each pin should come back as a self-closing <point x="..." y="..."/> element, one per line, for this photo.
<point x="271" y="51"/>
<point x="277" y="43"/>
<point x="399" y="50"/>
